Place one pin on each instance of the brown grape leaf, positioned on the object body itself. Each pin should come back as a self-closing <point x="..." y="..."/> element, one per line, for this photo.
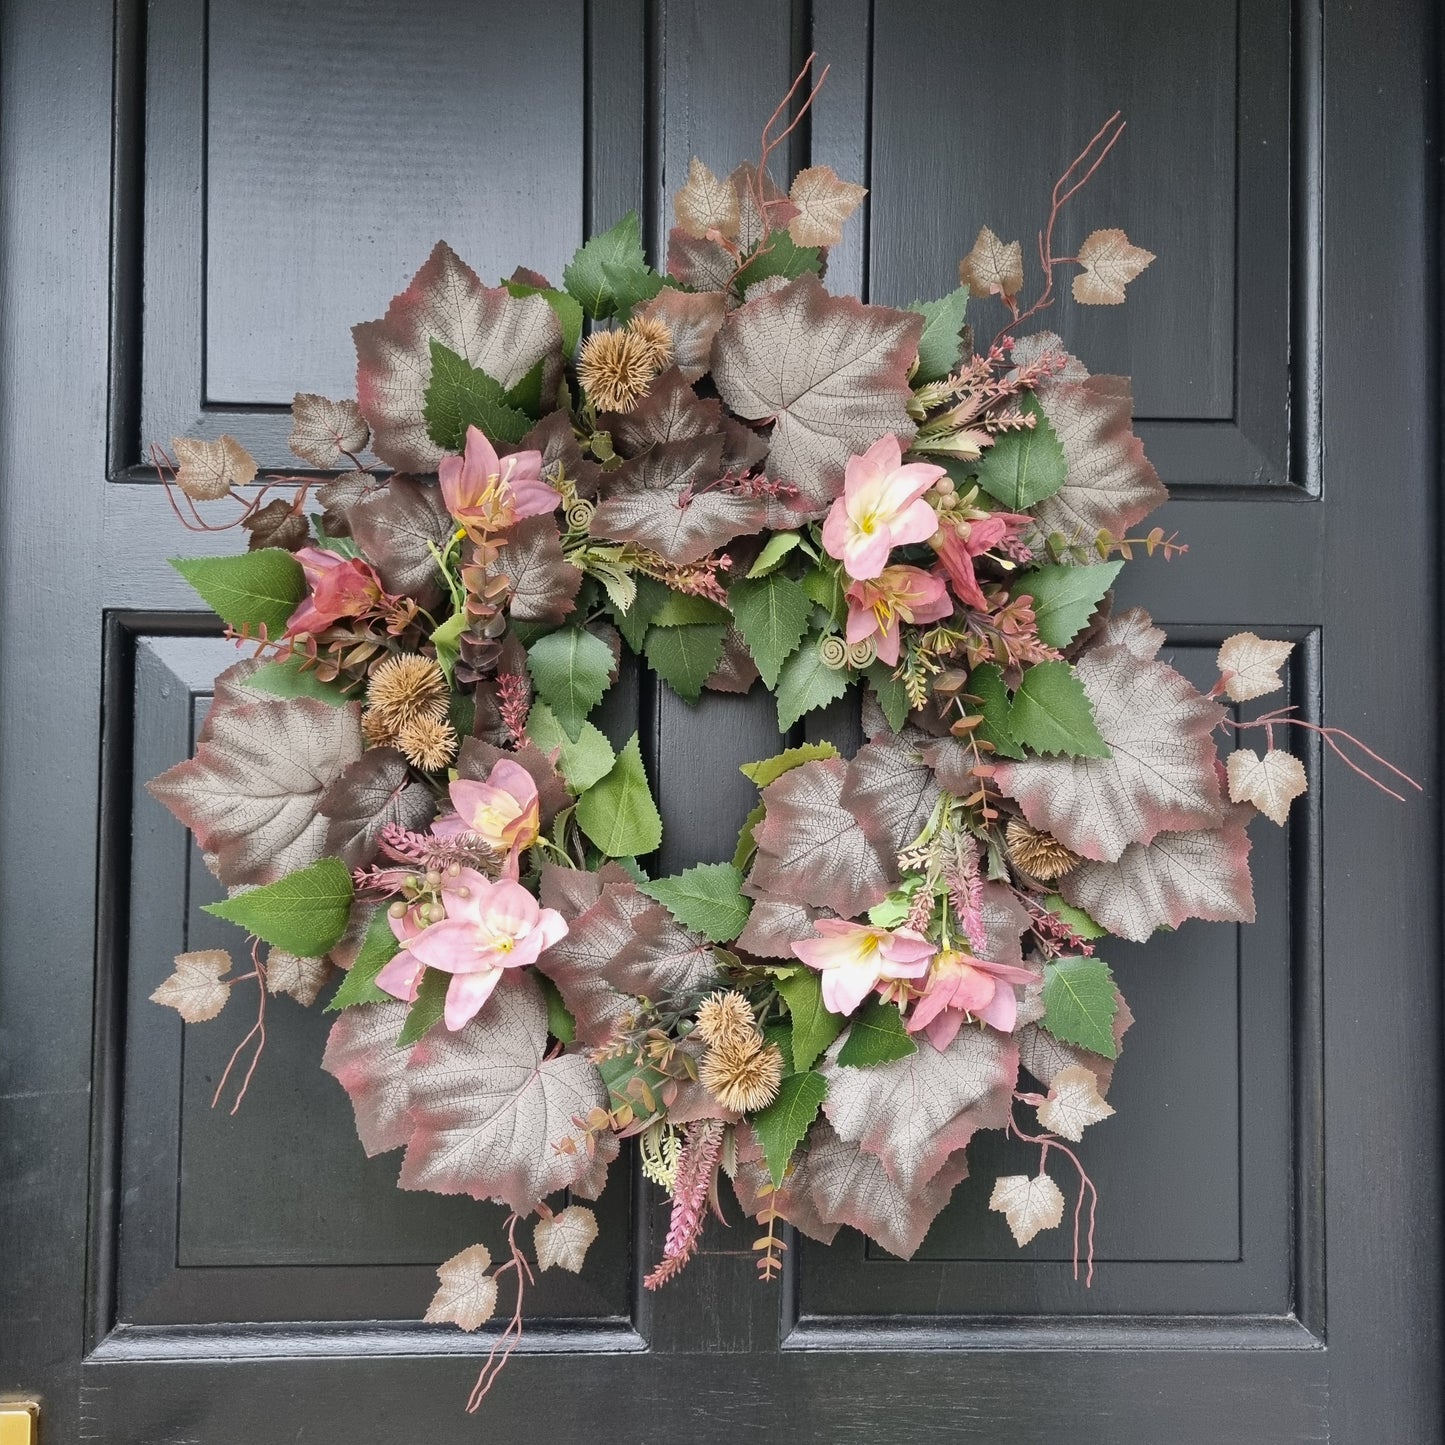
<point x="323" y="431"/>
<point x="774" y="925"/>
<point x="396" y="526"/>
<point x="1271" y="782"/>
<point x="670" y="412"/>
<point x="1109" y="263"/>
<point x="830" y="372"/>
<point x="1073" y="1103"/>
<point x="1161" y="775"/>
<point x="302" y="978"/>
<point x="252" y="792"/>
<point x="467" y="1295"/>
<point x="736" y="672"/>
<point x="993" y="268"/>
<point x="677" y="523"/>
<point x="276" y="525"/>
<point x="563" y="1240"/>
<point x="544" y="583"/>
<point x="1198" y="874"/>
<point x="489" y="1107"/>
<point x="571" y="891"/>
<point x="375" y="790"/>
<point x="705" y="204"/>
<point x="811" y="849"/>
<point x="1134" y="630"/>
<point x="744" y="181"/>
<point x="501" y="334"/>
<point x="1111" y="484"/>
<point x="1029" y="1205"/>
<point x="892" y="792"/>
<point x="1250" y="666"/>
<point x="824" y="203"/>
<point x="362" y="1056"/>
<point x="196" y="989"/>
<point x="693" y="319"/>
<point x="339" y="496"/>
<point x="703" y="265"/>
<point x="914" y="1112"/>
<point x="208" y="470"/>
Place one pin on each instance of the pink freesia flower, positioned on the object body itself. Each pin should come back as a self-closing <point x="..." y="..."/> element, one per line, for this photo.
<point x="882" y="507"/>
<point x="490" y="926"/>
<point x="959" y="544"/>
<point x="896" y="595"/>
<point x="338" y="587"/>
<point x="960" y="985"/>
<point x="504" y="811"/>
<point x="401" y="977"/>
<point x="488" y="493"/>
<point x="852" y="957"/>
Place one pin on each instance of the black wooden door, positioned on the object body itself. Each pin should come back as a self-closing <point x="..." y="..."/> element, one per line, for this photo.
<point x="200" y="198"/>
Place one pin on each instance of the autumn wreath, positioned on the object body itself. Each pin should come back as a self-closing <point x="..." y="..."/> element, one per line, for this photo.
<point x="735" y="476"/>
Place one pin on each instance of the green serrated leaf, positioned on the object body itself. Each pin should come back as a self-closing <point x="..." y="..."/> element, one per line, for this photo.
<point x="560" y="1023"/>
<point x="814" y="1027"/>
<point x="1021" y="468"/>
<point x="586" y="276"/>
<point x="447" y="639"/>
<point x="774" y="553"/>
<point x="681" y="609"/>
<point x="876" y="1036"/>
<point x="770" y="769"/>
<point x="1065" y="598"/>
<point x="824" y="584"/>
<point x="631" y="286"/>
<point x="781" y="1035"/>
<point x="460" y="395"/>
<point x="303" y="913"/>
<point x="617" y="812"/>
<point x="583" y="760"/>
<point x="708" y="899"/>
<point x="1080" y="1004"/>
<point x="572" y="669"/>
<point x="892" y="695"/>
<point x="526" y="394"/>
<point x="782" y="1125"/>
<point x="427" y="1010"/>
<point x="986" y="683"/>
<point x="253" y="590"/>
<point x="378" y="948"/>
<point x="941" y="344"/>
<point x="1076" y="918"/>
<point x="747" y="845"/>
<point x="772" y="615"/>
<point x="782" y="257"/>
<point x="1051" y="713"/>
<point x="634" y="622"/>
<point x="568" y="309"/>
<point x="290" y="679"/>
<point x="807" y="682"/>
<point x="685" y="657"/>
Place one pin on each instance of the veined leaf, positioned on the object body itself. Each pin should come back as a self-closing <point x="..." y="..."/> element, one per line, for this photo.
<point x="303" y="913"/>
<point x="772" y="615"/>
<point x="378" y="948"/>
<point x="814" y="1027"/>
<point x="941" y="344"/>
<point x="252" y="590"/>
<point x="617" y="813"/>
<point x="768" y="769"/>
<point x="1080" y="1003"/>
<point x="707" y="899"/>
<point x="568" y="309"/>
<point x="583" y="760"/>
<point x="460" y="395"/>
<point x="1052" y="713"/>
<point x="986" y="683"/>
<point x="1021" y="468"/>
<point x="782" y="1126"/>
<point x="685" y="657"/>
<point x="572" y="669"/>
<point x="1065" y="598"/>
<point x="774" y="553"/>
<point x="806" y="682"/>
<point x="291" y="679"/>
<point x="876" y="1036"/>
<point x="618" y="250"/>
<point x="427" y="1008"/>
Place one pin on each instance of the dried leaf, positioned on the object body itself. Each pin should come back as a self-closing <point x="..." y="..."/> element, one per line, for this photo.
<point x="1161" y="775"/>
<point x="252" y="793"/>
<point x="196" y="989"/>
<point x="670" y="412"/>
<point x="339" y="496"/>
<point x="705" y="204"/>
<point x="467" y="1295"/>
<point x="501" y="334"/>
<point x="302" y="978"/>
<point x="703" y="265"/>
<point x="323" y="431"/>
<point x="362" y="1056"/>
<point x="563" y="1240"/>
<point x="1109" y="263"/>
<point x="375" y="790"/>
<point x="824" y="203"/>
<point x="774" y="925"/>
<point x="892" y="792"/>
<point x="208" y="470"/>
<point x="1271" y="782"/>
<point x="829" y="371"/>
<point x="1029" y="1205"/>
<point x="693" y="319"/>
<point x="993" y="268"/>
<point x="747" y="183"/>
<point x="544" y="583"/>
<point x="677" y="523"/>
<point x="277" y="524"/>
<point x="1073" y="1103"/>
<point x="1133" y="629"/>
<point x="1250" y="665"/>
<point x="396" y="527"/>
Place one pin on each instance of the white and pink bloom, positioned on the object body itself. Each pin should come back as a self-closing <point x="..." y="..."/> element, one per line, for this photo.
<point x="503" y="812"/>
<point x="401" y="977"/>
<point x="881" y="508"/>
<point x="336" y="586"/>
<point x="489" y="927"/>
<point x="960" y="986"/>
<point x="487" y="493"/>
<point x="958" y="544"/>
<point x="878" y="606"/>
<point x="854" y="957"/>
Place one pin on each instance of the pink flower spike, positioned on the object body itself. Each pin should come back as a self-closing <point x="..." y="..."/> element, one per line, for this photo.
<point x="881" y="508"/>
<point x="488" y="493"/>
<point x="503" y="811"/>
<point x="337" y="587"/>
<point x="852" y="957"/>
<point x="899" y="594"/>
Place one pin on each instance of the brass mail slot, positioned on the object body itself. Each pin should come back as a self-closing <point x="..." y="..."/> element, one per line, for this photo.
<point x="18" y="1422"/>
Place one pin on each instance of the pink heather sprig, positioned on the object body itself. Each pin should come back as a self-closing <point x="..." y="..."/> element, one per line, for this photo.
<point x="965" y="893"/>
<point x="692" y="1188"/>
<point x="425" y="850"/>
<point x="1054" y="935"/>
<point x="513" y="703"/>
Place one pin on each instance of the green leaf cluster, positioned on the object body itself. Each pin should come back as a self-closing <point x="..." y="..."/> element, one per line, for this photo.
<point x="460" y="395"/>
<point x="572" y="668"/>
<point x="1065" y="597"/>
<point x="1021" y="468"/>
<point x="876" y="1036"/>
<point x="378" y="948"/>
<point x="617" y="812"/>
<point x="941" y="344"/>
<point x="304" y="913"/>
<point x="610" y="274"/>
<point x="772" y="614"/>
<point x="814" y="1027"/>
<point x="782" y="1126"/>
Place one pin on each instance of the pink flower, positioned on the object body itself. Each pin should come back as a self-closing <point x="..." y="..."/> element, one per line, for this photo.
<point x="339" y="587"/>
<point x="852" y="957"/>
<point x="959" y="544"/>
<point x="504" y="811"/>
<point x="959" y="986"/>
<point x="490" y="926"/>
<point x="897" y="594"/>
<point x="882" y="507"/>
<point x="488" y="493"/>
<point x="401" y="977"/>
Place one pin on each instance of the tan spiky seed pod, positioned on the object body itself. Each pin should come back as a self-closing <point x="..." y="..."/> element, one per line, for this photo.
<point x="655" y="339"/>
<point x="404" y="688"/>
<point x="1039" y="854"/>
<point x="726" y="1017"/>
<point x="615" y="369"/>
<point x="742" y="1076"/>
<point x="428" y="743"/>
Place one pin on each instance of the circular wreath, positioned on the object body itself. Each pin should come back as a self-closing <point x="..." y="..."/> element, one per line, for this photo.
<point x="735" y="476"/>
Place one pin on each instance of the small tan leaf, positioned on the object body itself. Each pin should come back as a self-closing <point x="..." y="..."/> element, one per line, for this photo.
<point x="1110" y="263"/>
<point x="993" y="268"/>
<point x="1029" y="1205"/>
<point x="824" y="203"/>
<point x="322" y="430"/>
<point x="1073" y="1103"/>
<point x="1271" y="782"/>
<point x="467" y="1295"/>
<point x="208" y="470"/>
<point x="705" y="204"/>
<point x="195" y="990"/>
<point x="1250" y="665"/>
<point x="302" y="978"/>
<point x="564" y="1239"/>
